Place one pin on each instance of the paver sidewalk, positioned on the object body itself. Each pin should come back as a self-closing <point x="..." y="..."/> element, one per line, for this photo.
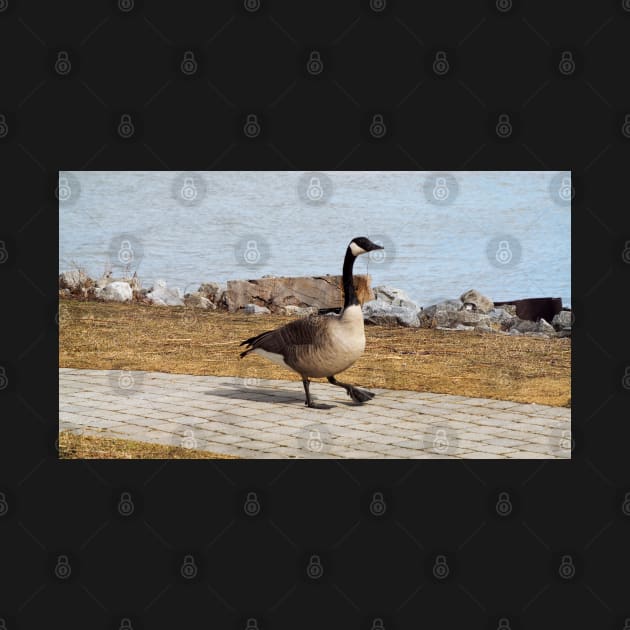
<point x="256" y="418"/>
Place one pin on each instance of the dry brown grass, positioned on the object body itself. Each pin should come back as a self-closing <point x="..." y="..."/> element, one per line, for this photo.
<point x="72" y="446"/>
<point x="97" y="335"/>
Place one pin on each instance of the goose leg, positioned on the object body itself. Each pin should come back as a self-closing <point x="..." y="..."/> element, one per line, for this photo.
<point x="356" y="393"/>
<point x="309" y="401"/>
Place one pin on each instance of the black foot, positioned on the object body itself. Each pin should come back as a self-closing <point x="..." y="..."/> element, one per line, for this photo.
<point x="314" y="405"/>
<point x="359" y="395"/>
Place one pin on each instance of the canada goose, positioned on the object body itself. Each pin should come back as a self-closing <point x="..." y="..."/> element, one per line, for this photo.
<point x="321" y="345"/>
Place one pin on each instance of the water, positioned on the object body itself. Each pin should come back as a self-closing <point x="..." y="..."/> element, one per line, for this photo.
<point x="506" y="234"/>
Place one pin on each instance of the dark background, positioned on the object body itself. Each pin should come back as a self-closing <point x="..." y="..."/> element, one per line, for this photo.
<point x="124" y="57"/>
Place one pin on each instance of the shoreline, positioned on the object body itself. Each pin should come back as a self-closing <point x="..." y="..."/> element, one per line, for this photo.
<point x="310" y="295"/>
<point x="192" y="286"/>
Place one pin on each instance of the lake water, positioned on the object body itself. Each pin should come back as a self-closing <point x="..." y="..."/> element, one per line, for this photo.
<point x="506" y="234"/>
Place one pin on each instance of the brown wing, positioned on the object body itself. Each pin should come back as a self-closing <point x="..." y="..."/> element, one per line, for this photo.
<point x="289" y="339"/>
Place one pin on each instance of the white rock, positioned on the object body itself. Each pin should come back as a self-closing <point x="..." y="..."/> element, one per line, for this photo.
<point x="161" y="295"/>
<point x="443" y="318"/>
<point x="469" y="318"/>
<point x="72" y="280"/>
<point x="116" y="292"/>
<point x="196" y="300"/>
<point x="500" y="315"/>
<point x="381" y="312"/>
<point x="562" y="320"/>
<point x="254" y="309"/>
<point x="526" y="325"/>
<point x="445" y="305"/>
<point x="393" y="296"/>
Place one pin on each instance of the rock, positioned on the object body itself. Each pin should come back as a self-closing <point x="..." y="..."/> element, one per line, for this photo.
<point x="485" y="328"/>
<point x="299" y="311"/>
<point x="510" y="309"/>
<point x="321" y="292"/>
<point x="196" y="300"/>
<point x="500" y="316"/>
<point x="479" y="302"/>
<point x="442" y="318"/>
<point x="469" y="318"/>
<point x="439" y="318"/>
<point x="445" y="305"/>
<point x="525" y="325"/>
<point x="163" y="296"/>
<point x="440" y="315"/>
<point x="395" y="297"/>
<point x="133" y="282"/>
<point x="406" y="316"/>
<point x="545" y="327"/>
<point x="515" y="331"/>
<point x="254" y="309"/>
<point x="510" y="322"/>
<point x="213" y="291"/>
<point x="73" y="280"/>
<point x="562" y="320"/>
<point x="384" y="313"/>
<point x="116" y="292"/>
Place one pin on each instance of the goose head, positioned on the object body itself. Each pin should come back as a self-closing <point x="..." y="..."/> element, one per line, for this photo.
<point x="362" y="245"/>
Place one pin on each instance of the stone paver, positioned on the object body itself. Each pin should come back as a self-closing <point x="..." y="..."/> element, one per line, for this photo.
<point x="268" y="420"/>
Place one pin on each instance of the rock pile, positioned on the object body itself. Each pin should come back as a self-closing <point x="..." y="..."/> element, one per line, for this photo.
<point x="300" y="297"/>
<point x="473" y="311"/>
<point x="209" y="296"/>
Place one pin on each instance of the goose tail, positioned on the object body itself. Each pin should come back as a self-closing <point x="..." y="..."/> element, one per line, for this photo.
<point x="253" y="343"/>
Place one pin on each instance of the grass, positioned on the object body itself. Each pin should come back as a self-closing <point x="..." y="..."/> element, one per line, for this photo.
<point x="73" y="446"/>
<point x="97" y="335"/>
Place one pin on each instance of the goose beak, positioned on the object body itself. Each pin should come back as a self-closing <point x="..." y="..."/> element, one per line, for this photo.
<point x="373" y="246"/>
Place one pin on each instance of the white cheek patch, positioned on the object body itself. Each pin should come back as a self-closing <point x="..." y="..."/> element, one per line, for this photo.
<point x="356" y="250"/>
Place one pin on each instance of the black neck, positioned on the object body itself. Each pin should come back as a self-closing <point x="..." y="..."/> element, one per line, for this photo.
<point x="349" y="296"/>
